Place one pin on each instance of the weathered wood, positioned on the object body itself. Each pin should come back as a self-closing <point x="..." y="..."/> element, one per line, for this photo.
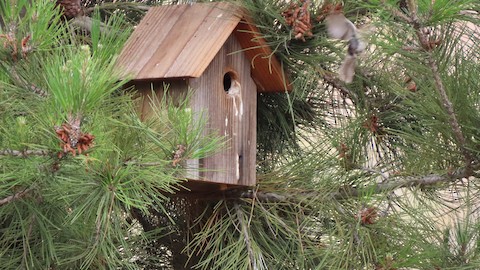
<point x="265" y="65"/>
<point x="215" y="51"/>
<point x="210" y="34"/>
<point x="153" y="91"/>
<point x="180" y="41"/>
<point x="147" y="38"/>
<point x="232" y="115"/>
<point x="171" y="33"/>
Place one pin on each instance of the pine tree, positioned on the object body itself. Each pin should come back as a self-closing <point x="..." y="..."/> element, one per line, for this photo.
<point x="77" y="163"/>
<point x="377" y="173"/>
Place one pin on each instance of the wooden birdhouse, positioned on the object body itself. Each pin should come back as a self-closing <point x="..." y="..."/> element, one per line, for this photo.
<point x="214" y="50"/>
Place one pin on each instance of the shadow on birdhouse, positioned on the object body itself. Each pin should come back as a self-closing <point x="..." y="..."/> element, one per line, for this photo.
<point x="215" y="50"/>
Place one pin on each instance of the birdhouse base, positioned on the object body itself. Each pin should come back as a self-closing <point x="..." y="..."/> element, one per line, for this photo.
<point x="207" y="188"/>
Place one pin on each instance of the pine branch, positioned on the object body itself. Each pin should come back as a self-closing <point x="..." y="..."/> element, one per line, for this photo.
<point x="393" y="182"/>
<point x="246" y="237"/>
<point x="447" y="105"/>
<point x="426" y="180"/>
<point x="337" y="84"/>
<point x="390" y="183"/>
<point x="412" y="8"/>
<point x="86" y="23"/>
<point x="15" y="196"/>
<point x="26" y="239"/>
<point x="32" y="87"/>
<point x="445" y="100"/>
<point x="397" y="13"/>
<point x="117" y="6"/>
<point x="23" y="153"/>
<point x="428" y="45"/>
<point x="145" y="164"/>
<point x="268" y="197"/>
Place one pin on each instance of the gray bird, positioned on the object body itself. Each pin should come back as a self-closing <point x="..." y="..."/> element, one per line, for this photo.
<point x="339" y="27"/>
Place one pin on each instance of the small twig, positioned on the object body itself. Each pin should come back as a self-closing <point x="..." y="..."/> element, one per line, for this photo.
<point x="389" y="185"/>
<point x="411" y="48"/>
<point x="252" y="207"/>
<point x="116" y="6"/>
<point x="412" y="8"/>
<point x="23" y="153"/>
<point x="246" y="237"/>
<point x="397" y="13"/>
<point x="86" y="23"/>
<point x="264" y="196"/>
<point x="15" y="196"/>
<point x="389" y="203"/>
<point x="447" y="105"/>
<point x="302" y="251"/>
<point x="26" y="239"/>
<point x="382" y="174"/>
<point x="32" y="87"/>
<point x="337" y="84"/>
<point x="439" y="86"/>
<point x="145" y="164"/>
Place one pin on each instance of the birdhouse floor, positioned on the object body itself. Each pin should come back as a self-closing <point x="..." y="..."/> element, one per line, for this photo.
<point x="207" y="188"/>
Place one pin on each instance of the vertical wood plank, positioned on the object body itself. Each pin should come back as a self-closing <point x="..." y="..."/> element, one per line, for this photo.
<point x="236" y="163"/>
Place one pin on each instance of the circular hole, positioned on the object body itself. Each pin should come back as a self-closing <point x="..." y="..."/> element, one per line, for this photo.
<point x="227" y="81"/>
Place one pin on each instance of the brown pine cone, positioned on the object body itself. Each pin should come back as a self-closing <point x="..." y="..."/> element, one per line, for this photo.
<point x="70" y="8"/>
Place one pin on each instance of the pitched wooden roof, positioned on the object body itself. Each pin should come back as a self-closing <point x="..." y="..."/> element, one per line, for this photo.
<point x="180" y="41"/>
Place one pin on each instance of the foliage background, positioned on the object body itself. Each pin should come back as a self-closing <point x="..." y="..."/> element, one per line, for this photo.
<point x="377" y="174"/>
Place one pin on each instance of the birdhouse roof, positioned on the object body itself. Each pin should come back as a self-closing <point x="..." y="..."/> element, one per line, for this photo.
<point x="180" y="41"/>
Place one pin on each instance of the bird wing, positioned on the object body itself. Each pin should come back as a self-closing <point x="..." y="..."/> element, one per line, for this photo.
<point x="339" y="27"/>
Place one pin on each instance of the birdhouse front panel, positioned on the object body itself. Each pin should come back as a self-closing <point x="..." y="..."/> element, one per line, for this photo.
<point x="228" y="93"/>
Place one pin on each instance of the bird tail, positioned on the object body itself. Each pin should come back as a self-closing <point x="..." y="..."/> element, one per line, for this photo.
<point x="347" y="69"/>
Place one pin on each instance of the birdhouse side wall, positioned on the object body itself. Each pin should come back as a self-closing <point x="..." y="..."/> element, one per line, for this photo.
<point x="231" y="104"/>
<point x="151" y="93"/>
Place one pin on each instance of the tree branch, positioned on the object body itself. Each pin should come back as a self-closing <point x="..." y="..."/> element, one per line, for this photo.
<point x="248" y="242"/>
<point x="397" y="13"/>
<point x="264" y="196"/>
<point x="15" y="196"/>
<point x="23" y="153"/>
<point x="440" y="87"/>
<point x="426" y="44"/>
<point x="447" y="105"/>
<point x="391" y="183"/>
<point x="86" y="23"/>
<point x="117" y="6"/>
<point x="32" y="87"/>
<point x="336" y="84"/>
<point x="145" y="164"/>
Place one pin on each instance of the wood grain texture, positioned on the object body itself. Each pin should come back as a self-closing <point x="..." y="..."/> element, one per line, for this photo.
<point x="180" y="41"/>
<point x="147" y="38"/>
<point x="230" y="115"/>
<point x="266" y="69"/>
<point x="195" y="46"/>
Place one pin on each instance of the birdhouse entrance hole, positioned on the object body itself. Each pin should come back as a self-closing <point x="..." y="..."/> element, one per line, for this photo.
<point x="228" y="80"/>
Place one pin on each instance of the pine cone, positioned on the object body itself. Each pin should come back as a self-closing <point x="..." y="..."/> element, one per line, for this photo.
<point x="70" y="8"/>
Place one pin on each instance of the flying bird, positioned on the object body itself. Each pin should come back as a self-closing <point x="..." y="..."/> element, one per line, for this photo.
<point x="339" y="27"/>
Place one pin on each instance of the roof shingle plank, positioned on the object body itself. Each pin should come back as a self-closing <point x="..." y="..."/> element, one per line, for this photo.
<point x="148" y="38"/>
